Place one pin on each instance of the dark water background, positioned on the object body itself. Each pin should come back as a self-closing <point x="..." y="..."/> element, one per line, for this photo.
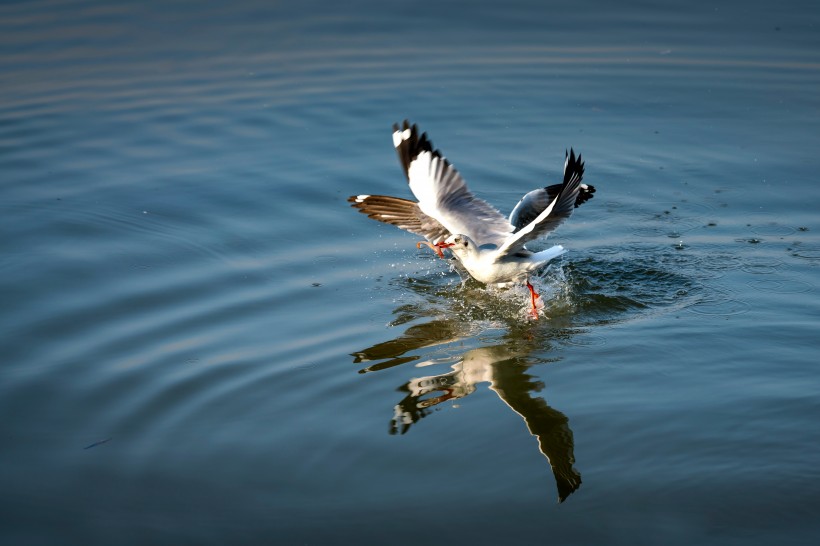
<point x="203" y="344"/>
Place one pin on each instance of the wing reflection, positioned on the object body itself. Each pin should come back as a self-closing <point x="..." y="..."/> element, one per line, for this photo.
<point x="503" y="366"/>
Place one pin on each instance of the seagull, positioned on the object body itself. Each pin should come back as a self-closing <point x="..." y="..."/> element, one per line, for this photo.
<point x="487" y="245"/>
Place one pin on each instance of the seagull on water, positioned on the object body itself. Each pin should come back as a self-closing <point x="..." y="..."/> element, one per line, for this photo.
<point x="489" y="246"/>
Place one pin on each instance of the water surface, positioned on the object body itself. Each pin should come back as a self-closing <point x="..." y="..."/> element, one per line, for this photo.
<point x="203" y="343"/>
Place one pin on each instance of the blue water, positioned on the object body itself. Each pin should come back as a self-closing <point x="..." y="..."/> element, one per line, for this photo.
<point x="204" y="344"/>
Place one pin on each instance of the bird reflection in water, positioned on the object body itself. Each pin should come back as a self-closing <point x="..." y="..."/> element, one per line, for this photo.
<point x="503" y="366"/>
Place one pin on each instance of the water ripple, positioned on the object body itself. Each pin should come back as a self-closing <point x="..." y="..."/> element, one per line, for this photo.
<point x="781" y="286"/>
<point x="720" y="307"/>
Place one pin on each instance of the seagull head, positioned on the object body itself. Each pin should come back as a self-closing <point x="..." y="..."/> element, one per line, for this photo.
<point x="459" y="243"/>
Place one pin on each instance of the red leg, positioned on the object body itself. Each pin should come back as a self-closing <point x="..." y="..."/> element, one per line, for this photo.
<point x="533" y="296"/>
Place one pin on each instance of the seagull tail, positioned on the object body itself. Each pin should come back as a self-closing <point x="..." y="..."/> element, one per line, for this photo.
<point x="546" y="255"/>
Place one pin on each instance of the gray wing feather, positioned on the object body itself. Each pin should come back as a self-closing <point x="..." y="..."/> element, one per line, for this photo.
<point x="441" y="191"/>
<point x="559" y="209"/>
<point x="534" y="203"/>
<point x="529" y="207"/>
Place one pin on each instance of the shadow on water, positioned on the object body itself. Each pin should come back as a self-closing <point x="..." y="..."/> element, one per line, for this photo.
<point x="504" y="366"/>
<point x="446" y="317"/>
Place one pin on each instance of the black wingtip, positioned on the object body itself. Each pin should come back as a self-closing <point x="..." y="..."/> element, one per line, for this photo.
<point x="358" y="202"/>
<point x="408" y="148"/>
<point x="573" y="166"/>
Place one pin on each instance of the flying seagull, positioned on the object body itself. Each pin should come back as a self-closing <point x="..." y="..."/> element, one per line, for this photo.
<point x="489" y="246"/>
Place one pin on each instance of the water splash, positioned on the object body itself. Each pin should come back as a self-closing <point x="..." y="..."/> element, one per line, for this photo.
<point x="591" y="290"/>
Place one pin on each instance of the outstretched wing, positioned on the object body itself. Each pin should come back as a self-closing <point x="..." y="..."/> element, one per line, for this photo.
<point x="402" y="213"/>
<point x="559" y="209"/>
<point x="442" y="193"/>
<point x="534" y="203"/>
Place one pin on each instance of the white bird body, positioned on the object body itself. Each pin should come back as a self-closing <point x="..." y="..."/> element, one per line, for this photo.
<point x="487" y="266"/>
<point x="489" y="246"/>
